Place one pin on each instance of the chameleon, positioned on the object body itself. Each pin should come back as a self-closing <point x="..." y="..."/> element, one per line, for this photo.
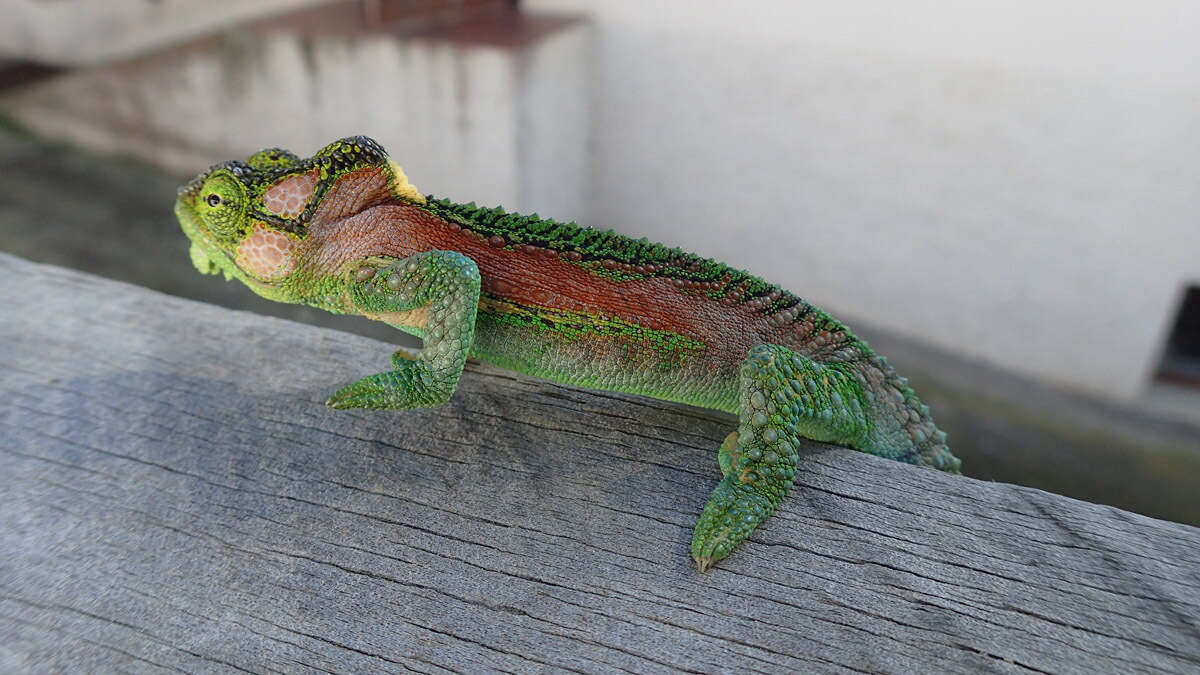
<point x="345" y="231"/>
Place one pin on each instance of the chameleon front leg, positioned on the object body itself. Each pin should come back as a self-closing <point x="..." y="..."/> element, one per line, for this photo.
<point x="783" y="396"/>
<point x="438" y="293"/>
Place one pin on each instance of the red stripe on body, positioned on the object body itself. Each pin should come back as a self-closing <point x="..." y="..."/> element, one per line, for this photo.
<point x="536" y="279"/>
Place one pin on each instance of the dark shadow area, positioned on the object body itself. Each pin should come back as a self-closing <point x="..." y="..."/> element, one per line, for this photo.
<point x="1181" y="357"/>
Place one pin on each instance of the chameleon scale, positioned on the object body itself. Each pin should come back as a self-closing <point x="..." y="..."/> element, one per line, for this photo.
<point x="345" y="231"/>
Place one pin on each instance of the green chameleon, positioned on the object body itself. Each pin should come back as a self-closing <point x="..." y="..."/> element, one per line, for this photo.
<point x="345" y="231"/>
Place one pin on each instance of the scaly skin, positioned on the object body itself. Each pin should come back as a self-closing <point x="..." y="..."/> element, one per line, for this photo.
<point x="345" y="231"/>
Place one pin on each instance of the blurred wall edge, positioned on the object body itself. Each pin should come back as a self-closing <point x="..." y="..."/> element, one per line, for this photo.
<point x="495" y="111"/>
<point x="73" y="33"/>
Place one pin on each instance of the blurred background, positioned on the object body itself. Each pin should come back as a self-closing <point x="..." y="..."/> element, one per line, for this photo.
<point x="1002" y="196"/>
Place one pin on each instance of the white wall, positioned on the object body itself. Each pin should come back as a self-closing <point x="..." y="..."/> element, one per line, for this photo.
<point x="1151" y="43"/>
<point x="1014" y="181"/>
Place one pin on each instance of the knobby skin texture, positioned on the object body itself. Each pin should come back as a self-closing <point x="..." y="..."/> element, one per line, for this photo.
<point x="345" y="231"/>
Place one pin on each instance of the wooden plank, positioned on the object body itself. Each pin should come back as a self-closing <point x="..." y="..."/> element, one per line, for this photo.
<point x="176" y="497"/>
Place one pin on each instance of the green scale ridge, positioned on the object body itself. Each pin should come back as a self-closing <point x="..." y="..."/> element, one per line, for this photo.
<point x="597" y="246"/>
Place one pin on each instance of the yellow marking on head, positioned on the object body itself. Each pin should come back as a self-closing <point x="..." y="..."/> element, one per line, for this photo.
<point x="404" y="188"/>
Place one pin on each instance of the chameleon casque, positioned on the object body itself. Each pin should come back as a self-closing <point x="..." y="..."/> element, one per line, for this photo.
<point x="345" y="231"/>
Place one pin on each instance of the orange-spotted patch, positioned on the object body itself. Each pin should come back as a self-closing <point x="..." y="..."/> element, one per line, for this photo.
<point x="288" y="197"/>
<point x="266" y="253"/>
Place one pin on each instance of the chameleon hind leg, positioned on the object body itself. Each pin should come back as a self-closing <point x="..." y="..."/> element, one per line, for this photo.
<point x="437" y="294"/>
<point x="783" y="396"/>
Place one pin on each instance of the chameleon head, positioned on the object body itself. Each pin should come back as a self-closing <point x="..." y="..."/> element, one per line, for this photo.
<point x="249" y="219"/>
<point x="228" y="236"/>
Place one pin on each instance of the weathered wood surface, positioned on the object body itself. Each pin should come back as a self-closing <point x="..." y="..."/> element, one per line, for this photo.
<point x="174" y="496"/>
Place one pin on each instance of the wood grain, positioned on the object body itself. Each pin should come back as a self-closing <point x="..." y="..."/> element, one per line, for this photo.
<point x="175" y="497"/>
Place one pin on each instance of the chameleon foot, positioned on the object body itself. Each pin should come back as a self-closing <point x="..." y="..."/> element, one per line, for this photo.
<point x="783" y="396"/>
<point x="732" y="513"/>
<point x="400" y="389"/>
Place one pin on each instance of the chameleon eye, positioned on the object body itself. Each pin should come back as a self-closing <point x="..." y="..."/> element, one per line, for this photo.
<point x="222" y="205"/>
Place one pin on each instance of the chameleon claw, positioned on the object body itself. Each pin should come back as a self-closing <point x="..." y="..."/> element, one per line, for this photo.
<point x="343" y="400"/>
<point x="401" y="389"/>
<point x="356" y="395"/>
<point x="703" y="563"/>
